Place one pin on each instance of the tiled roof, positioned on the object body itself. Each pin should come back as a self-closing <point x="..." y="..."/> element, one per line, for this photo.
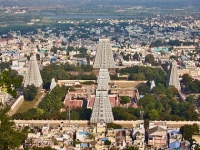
<point x="74" y="103"/>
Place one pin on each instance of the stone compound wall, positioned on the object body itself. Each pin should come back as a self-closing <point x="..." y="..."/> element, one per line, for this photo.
<point x="128" y="124"/>
<point x="16" y="105"/>
<point x="52" y="122"/>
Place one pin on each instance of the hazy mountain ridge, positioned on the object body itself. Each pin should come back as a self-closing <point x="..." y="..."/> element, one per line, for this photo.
<point x="150" y="3"/>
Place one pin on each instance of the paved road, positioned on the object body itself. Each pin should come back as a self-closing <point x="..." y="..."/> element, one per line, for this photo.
<point x="39" y="100"/>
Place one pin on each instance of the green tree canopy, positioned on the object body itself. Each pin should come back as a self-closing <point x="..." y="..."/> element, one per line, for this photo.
<point x="153" y="114"/>
<point x="29" y="92"/>
<point x="38" y="56"/>
<point x="150" y="59"/>
<point x="169" y="92"/>
<point x="62" y="72"/>
<point x="191" y="99"/>
<point x="120" y="113"/>
<point x="53" y="102"/>
<point x="143" y="89"/>
<point x="186" y="78"/>
<point x="4" y="65"/>
<point x="136" y="56"/>
<point x="10" y="80"/>
<point x="114" y="126"/>
<point x="148" y="102"/>
<point x="188" y="130"/>
<point x="126" y="57"/>
<point x="90" y="136"/>
<point x="138" y="77"/>
<point x="75" y="115"/>
<point x="125" y="99"/>
<point x="9" y="137"/>
<point x="131" y="148"/>
<point x="191" y="85"/>
<point x="55" y="49"/>
<point x="156" y="74"/>
<point x="174" y="57"/>
<point x="43" y="148"/>
<point x="107" y="142"/>
<point x="159" y="89"/>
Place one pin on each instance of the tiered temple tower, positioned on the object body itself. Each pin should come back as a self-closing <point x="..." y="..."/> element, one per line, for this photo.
<point x="104" y="56"/>
<point x="173" y="78"/>
<point x="33" y="75"/>
<point x="102" y="111"/>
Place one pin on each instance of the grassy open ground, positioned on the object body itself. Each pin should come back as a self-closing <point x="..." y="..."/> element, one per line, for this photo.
<point x="26" y="105"/>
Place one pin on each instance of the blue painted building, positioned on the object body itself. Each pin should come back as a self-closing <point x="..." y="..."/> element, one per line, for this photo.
<point x="159" y="49"/>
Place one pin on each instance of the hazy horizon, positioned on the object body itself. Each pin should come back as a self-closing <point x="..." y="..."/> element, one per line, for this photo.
<point x="147" y="3"/>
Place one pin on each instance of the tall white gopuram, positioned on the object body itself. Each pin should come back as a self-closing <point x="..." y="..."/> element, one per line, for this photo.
<point x="33" y="75"/>
<point x="102" y="110"/>
<point x="104" y="56"/>
<point x="173" y="78"/>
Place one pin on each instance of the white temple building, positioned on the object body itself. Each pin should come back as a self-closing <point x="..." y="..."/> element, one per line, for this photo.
<point x="152" y="84"/>
<point x="33" y="75"/>
<point x="53" y="84"/>
<point x="102" y="110"/>
<point x="104" y="56"/>
<point x="173" y="78"/>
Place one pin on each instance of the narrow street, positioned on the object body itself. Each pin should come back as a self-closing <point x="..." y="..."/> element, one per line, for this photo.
<point x="40" y="99"/>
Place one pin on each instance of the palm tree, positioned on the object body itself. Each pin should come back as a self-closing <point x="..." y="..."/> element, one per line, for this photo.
<point x="91" y="136"/>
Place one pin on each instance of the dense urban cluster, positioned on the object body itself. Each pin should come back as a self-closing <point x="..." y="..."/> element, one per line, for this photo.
<point x="50" y="74"/>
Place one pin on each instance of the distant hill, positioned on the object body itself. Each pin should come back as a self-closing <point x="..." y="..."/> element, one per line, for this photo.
<point x="148" y="3"/>
<point x="151" y="3"/>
